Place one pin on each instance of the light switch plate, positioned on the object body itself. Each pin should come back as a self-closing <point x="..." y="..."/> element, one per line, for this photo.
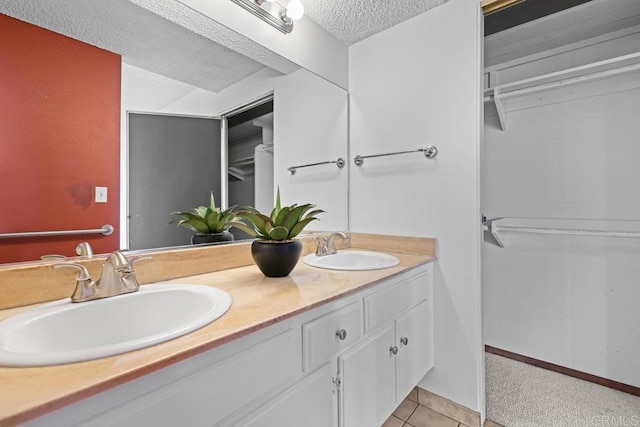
<point x="101" y="194"/>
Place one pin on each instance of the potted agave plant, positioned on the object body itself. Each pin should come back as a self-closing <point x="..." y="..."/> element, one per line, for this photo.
<point x="277" y="251"/>
<point x="210" y="223"/>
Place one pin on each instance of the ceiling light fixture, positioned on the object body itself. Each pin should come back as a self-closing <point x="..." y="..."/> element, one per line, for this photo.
<point x="493" y="6"/>
<point x="273" y="13"/>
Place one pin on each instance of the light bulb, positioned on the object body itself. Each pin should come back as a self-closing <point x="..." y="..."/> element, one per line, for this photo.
<point x="295" y="9"/>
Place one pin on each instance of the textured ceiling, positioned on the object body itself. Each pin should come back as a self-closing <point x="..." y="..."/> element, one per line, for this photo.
<point x="353" y="20"/>
<point x="151" y="42"/>
<point x="172" y="40"/>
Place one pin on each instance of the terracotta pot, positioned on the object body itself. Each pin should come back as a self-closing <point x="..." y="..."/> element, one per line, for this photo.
<point x="276" y="258"/>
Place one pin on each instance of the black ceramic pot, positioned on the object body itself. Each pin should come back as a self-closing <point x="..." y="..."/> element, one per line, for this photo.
<point x="225" y="236"/>
<point x="276" y="258"/>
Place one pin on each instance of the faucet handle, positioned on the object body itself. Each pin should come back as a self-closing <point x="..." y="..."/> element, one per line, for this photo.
<point x="85" y="287"/>
<point x="83" y="273"/>
<point x="322" y="246"/>
<point x="121" y="263"/>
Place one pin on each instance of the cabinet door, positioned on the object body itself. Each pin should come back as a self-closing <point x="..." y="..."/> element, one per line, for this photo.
<point x="415" y="357"/>
<point x="311" y="403"/>
<point x="367" y="374"/>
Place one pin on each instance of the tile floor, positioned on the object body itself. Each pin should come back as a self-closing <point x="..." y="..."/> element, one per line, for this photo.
<point x="411" y="414"/>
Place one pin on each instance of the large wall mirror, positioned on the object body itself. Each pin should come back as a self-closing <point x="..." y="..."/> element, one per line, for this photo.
<point x="172" y="70"/>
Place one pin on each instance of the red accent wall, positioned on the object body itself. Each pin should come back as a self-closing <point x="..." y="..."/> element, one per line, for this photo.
<point x="59" y="139"/>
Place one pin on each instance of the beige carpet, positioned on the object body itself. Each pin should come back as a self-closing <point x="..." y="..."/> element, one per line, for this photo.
<point x="521" y="395"/>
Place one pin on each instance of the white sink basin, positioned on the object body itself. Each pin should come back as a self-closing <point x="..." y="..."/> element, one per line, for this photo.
<point x="352" y="260"/>
<point x="65" y="332"/>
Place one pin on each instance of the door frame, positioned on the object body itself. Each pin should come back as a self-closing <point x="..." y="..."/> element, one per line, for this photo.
<point x="224" y="140"/>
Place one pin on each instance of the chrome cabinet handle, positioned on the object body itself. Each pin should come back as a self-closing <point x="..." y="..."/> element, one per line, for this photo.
<point x="404" y="340"/>
<point x="341" y="334"/>
<point x="394" y="350"/>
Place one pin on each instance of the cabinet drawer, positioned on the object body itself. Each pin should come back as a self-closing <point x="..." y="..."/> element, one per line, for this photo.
<point x="325" y="336"/>
<point x="383" y="306"/>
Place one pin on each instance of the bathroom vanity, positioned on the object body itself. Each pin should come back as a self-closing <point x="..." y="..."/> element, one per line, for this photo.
<point x="316" y="348"/>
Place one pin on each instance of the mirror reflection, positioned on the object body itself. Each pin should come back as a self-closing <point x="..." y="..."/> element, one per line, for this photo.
<point x="95" y="136"/>
<point x="188" y="171"/>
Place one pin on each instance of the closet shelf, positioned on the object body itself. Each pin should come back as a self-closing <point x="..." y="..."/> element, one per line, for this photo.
<point x="241" y="168"/>
<point x="611" y="75"/>
<point x="243" y="161"/>
<point x="505" y="229"/>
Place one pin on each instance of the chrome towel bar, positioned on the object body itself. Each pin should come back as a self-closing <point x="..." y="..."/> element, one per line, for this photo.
<point x="429" y="152"/>
<point x="105" y="230"/>
<point x="340" y="163"/>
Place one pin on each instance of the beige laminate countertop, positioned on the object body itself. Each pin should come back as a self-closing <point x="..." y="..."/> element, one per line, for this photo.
<point x="258" y="301"/>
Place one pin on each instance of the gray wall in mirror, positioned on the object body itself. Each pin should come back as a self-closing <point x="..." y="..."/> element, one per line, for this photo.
<point x="174" y="162"/>
<point x="147" y="67"/>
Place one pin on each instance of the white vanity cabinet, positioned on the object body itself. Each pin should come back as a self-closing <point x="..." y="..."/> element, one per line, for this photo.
<point x="346" y="363"/>
<point x="379" y="346"/>
<point x="379" y="372"/>
<point x="201" y="391"/>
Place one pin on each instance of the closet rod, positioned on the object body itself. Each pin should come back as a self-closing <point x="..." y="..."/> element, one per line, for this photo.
<point x="542" y="86"/>
<point x="339" y="163"/>
<point x="105" y="230"/>
<point x="569" y="231"/>
<point x="429" y="152"/>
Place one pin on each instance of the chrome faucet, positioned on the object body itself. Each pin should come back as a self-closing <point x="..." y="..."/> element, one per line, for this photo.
<point x="84" y="249"/>
<point x="118" y="277"/>
<point x="327" y="246"/>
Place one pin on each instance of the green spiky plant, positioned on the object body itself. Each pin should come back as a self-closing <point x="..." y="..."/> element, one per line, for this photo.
<point x="208" y="219"/>
<point x="284" y="223"/>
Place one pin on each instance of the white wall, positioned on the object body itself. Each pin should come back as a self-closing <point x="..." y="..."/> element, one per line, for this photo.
<point x="570" y="301"/>
<point x="414" y="85"/>
<point x="310" y="126"/>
